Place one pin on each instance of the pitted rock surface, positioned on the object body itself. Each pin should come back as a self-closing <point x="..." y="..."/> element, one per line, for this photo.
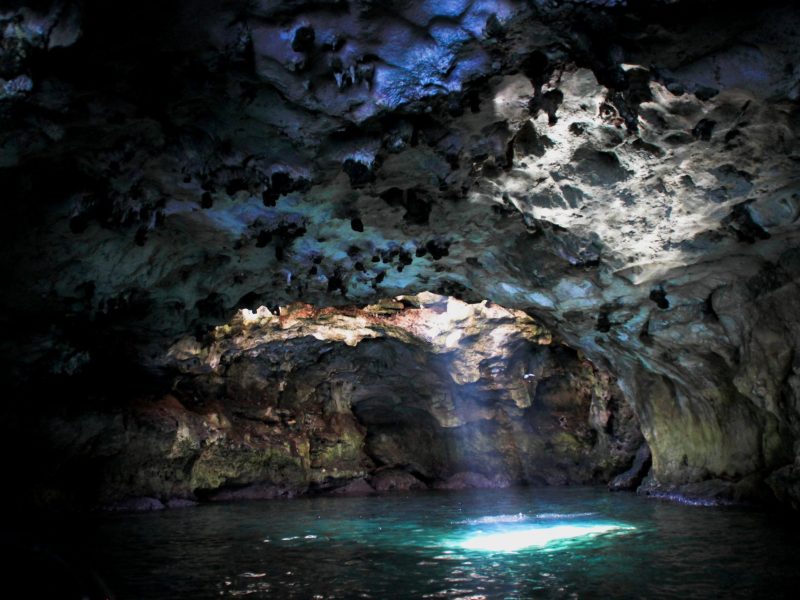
<point x="625" y="173"/>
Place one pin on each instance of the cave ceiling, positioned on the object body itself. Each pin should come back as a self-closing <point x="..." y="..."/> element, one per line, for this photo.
<point x="624" y="172"/>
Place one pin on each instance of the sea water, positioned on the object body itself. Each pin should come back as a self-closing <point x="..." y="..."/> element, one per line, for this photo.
<point x="512" y="543"/>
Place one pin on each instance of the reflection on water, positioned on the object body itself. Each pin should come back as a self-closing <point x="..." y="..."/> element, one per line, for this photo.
<point x="552" y="543"/>
<point x="514" y="539"/>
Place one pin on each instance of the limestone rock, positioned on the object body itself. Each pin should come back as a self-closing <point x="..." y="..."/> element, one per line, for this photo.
<point x="257" y="491"/>
<point x="785" y="483"/>
<point x="629" y="184"/>
<point x="630" y="479"/>
<point x="395" y="480"/>
<point x="358" y="487"/>
<point x="315" y="401"/>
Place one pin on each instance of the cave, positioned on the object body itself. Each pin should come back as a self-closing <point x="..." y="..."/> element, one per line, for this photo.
<point x="409" y="299"/>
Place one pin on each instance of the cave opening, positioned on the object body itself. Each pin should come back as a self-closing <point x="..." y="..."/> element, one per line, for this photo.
<point x="417" y="391"/>
<point x="414" y="392"/>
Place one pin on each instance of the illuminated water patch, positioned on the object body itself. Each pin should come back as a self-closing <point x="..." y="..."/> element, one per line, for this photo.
<point x="518" y="539"/>
<point x="519" y="517"/>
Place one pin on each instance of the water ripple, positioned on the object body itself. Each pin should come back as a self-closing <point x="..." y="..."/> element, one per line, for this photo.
<point x="408" y="546"/>
<point x="495" y="519"/>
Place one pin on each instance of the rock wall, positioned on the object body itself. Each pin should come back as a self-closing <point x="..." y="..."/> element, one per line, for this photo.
<point x="624" y="172"/>
<point x="422" y="391"/>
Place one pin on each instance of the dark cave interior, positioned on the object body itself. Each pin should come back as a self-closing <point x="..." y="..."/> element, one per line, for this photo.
<point x="275" y="248"/>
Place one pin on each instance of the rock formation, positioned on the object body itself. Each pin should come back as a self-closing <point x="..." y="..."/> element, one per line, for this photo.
<point x="625" y="173"/>
<point x="398" y="395"/>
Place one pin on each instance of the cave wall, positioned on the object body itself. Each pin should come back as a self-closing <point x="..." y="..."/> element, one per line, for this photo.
<point x="624" y="172"/>
<point x="424" y="392"/>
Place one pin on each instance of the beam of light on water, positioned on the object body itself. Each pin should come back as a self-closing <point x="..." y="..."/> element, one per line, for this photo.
<point x="518" y="539"/>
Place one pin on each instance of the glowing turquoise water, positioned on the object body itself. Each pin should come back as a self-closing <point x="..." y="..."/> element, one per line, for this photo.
<point x="520" y="543"/>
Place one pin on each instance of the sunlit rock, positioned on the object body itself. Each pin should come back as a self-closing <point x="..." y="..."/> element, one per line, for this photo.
<point x="318" y="400"/>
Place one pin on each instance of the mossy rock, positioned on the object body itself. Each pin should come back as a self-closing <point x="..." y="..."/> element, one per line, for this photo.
<point x="220" y="466"/>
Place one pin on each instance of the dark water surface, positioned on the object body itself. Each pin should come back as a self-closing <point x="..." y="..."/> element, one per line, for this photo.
<point x="424" y="545"/>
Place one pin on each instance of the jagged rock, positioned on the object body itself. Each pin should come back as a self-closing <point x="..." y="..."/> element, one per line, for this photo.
<point x="785" y="483"/>
<point x="628" y="183"/>
<point x="359" y="487"/>
<point x="258" y="491"/>
<point x="314" y="400"/>
<point x="630" y="479"/>
<point x="395" y="480"/>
